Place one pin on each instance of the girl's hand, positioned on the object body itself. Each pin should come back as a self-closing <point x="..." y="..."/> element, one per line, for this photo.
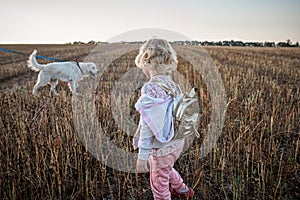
<point x="142" y="165"/>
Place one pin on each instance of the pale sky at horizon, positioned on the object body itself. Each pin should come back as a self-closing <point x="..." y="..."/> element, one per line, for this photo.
<point x="59" y="21"/>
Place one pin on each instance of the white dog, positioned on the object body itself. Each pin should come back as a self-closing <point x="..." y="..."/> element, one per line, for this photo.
<point x="70" y="72"/>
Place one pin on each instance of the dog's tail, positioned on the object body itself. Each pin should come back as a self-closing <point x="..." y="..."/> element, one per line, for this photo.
<point x="33" y="64"/>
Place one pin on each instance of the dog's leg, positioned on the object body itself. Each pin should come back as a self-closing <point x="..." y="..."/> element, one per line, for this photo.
<point x="73" y="87"/>
<point x="53" y="84"/>
<point x="40" y="82"/>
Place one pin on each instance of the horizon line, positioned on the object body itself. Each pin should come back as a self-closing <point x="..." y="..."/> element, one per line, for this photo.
<point x="99" y="41"/>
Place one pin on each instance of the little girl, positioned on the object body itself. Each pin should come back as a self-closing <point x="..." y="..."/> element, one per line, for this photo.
<point x="154" y="136"/>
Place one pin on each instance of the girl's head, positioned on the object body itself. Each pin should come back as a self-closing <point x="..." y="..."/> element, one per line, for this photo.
<point x="157" y="56"/>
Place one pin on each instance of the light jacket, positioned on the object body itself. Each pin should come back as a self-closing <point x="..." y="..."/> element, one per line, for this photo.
<point x="157" y="113"/>
<point x="156" y="128"/>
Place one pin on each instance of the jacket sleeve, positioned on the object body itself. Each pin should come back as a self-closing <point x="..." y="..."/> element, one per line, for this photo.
<point x="136" y="137"/>
<point x="145" y="141"/>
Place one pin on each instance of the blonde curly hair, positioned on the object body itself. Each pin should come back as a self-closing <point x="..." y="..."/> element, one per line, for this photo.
<point x="157" y="55"/>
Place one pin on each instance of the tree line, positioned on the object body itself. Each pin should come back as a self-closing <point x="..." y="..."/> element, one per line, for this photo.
<point x="287" y="43"/>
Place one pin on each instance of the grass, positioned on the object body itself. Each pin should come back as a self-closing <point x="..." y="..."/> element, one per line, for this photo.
<point x="256" y="157"/>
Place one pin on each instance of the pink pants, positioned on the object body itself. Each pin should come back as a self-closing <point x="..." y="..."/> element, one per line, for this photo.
<point x="162" y="174"/>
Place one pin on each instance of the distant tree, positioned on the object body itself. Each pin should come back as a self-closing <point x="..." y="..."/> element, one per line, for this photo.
<point x="269" y="44"/>
<point x="79" y="42"/>
<point x="92" y="42"/>
<point x="239" y="43"/>
<point x="285" y="44"/>
<point x="297" y="44"/>
<point x="219" y="43"/>
<point x="226" y="43"/>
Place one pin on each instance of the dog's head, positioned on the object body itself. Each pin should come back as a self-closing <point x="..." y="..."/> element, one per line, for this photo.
<point x="91" y="69"/>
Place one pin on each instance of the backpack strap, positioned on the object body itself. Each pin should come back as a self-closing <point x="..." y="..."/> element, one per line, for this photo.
<point x="165" y="88"/>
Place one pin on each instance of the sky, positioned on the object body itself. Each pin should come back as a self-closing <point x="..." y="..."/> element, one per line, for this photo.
<point x="62" y="21"/>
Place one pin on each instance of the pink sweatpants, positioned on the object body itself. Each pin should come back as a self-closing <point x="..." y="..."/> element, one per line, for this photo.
<point x="162" y="174"/>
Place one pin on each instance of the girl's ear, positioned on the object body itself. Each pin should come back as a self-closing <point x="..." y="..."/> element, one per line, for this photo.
<point x="146" y="57"/>
<point x="166" y="55"/>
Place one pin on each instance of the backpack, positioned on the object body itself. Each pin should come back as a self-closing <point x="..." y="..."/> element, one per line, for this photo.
<point x="185" y="112"/>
